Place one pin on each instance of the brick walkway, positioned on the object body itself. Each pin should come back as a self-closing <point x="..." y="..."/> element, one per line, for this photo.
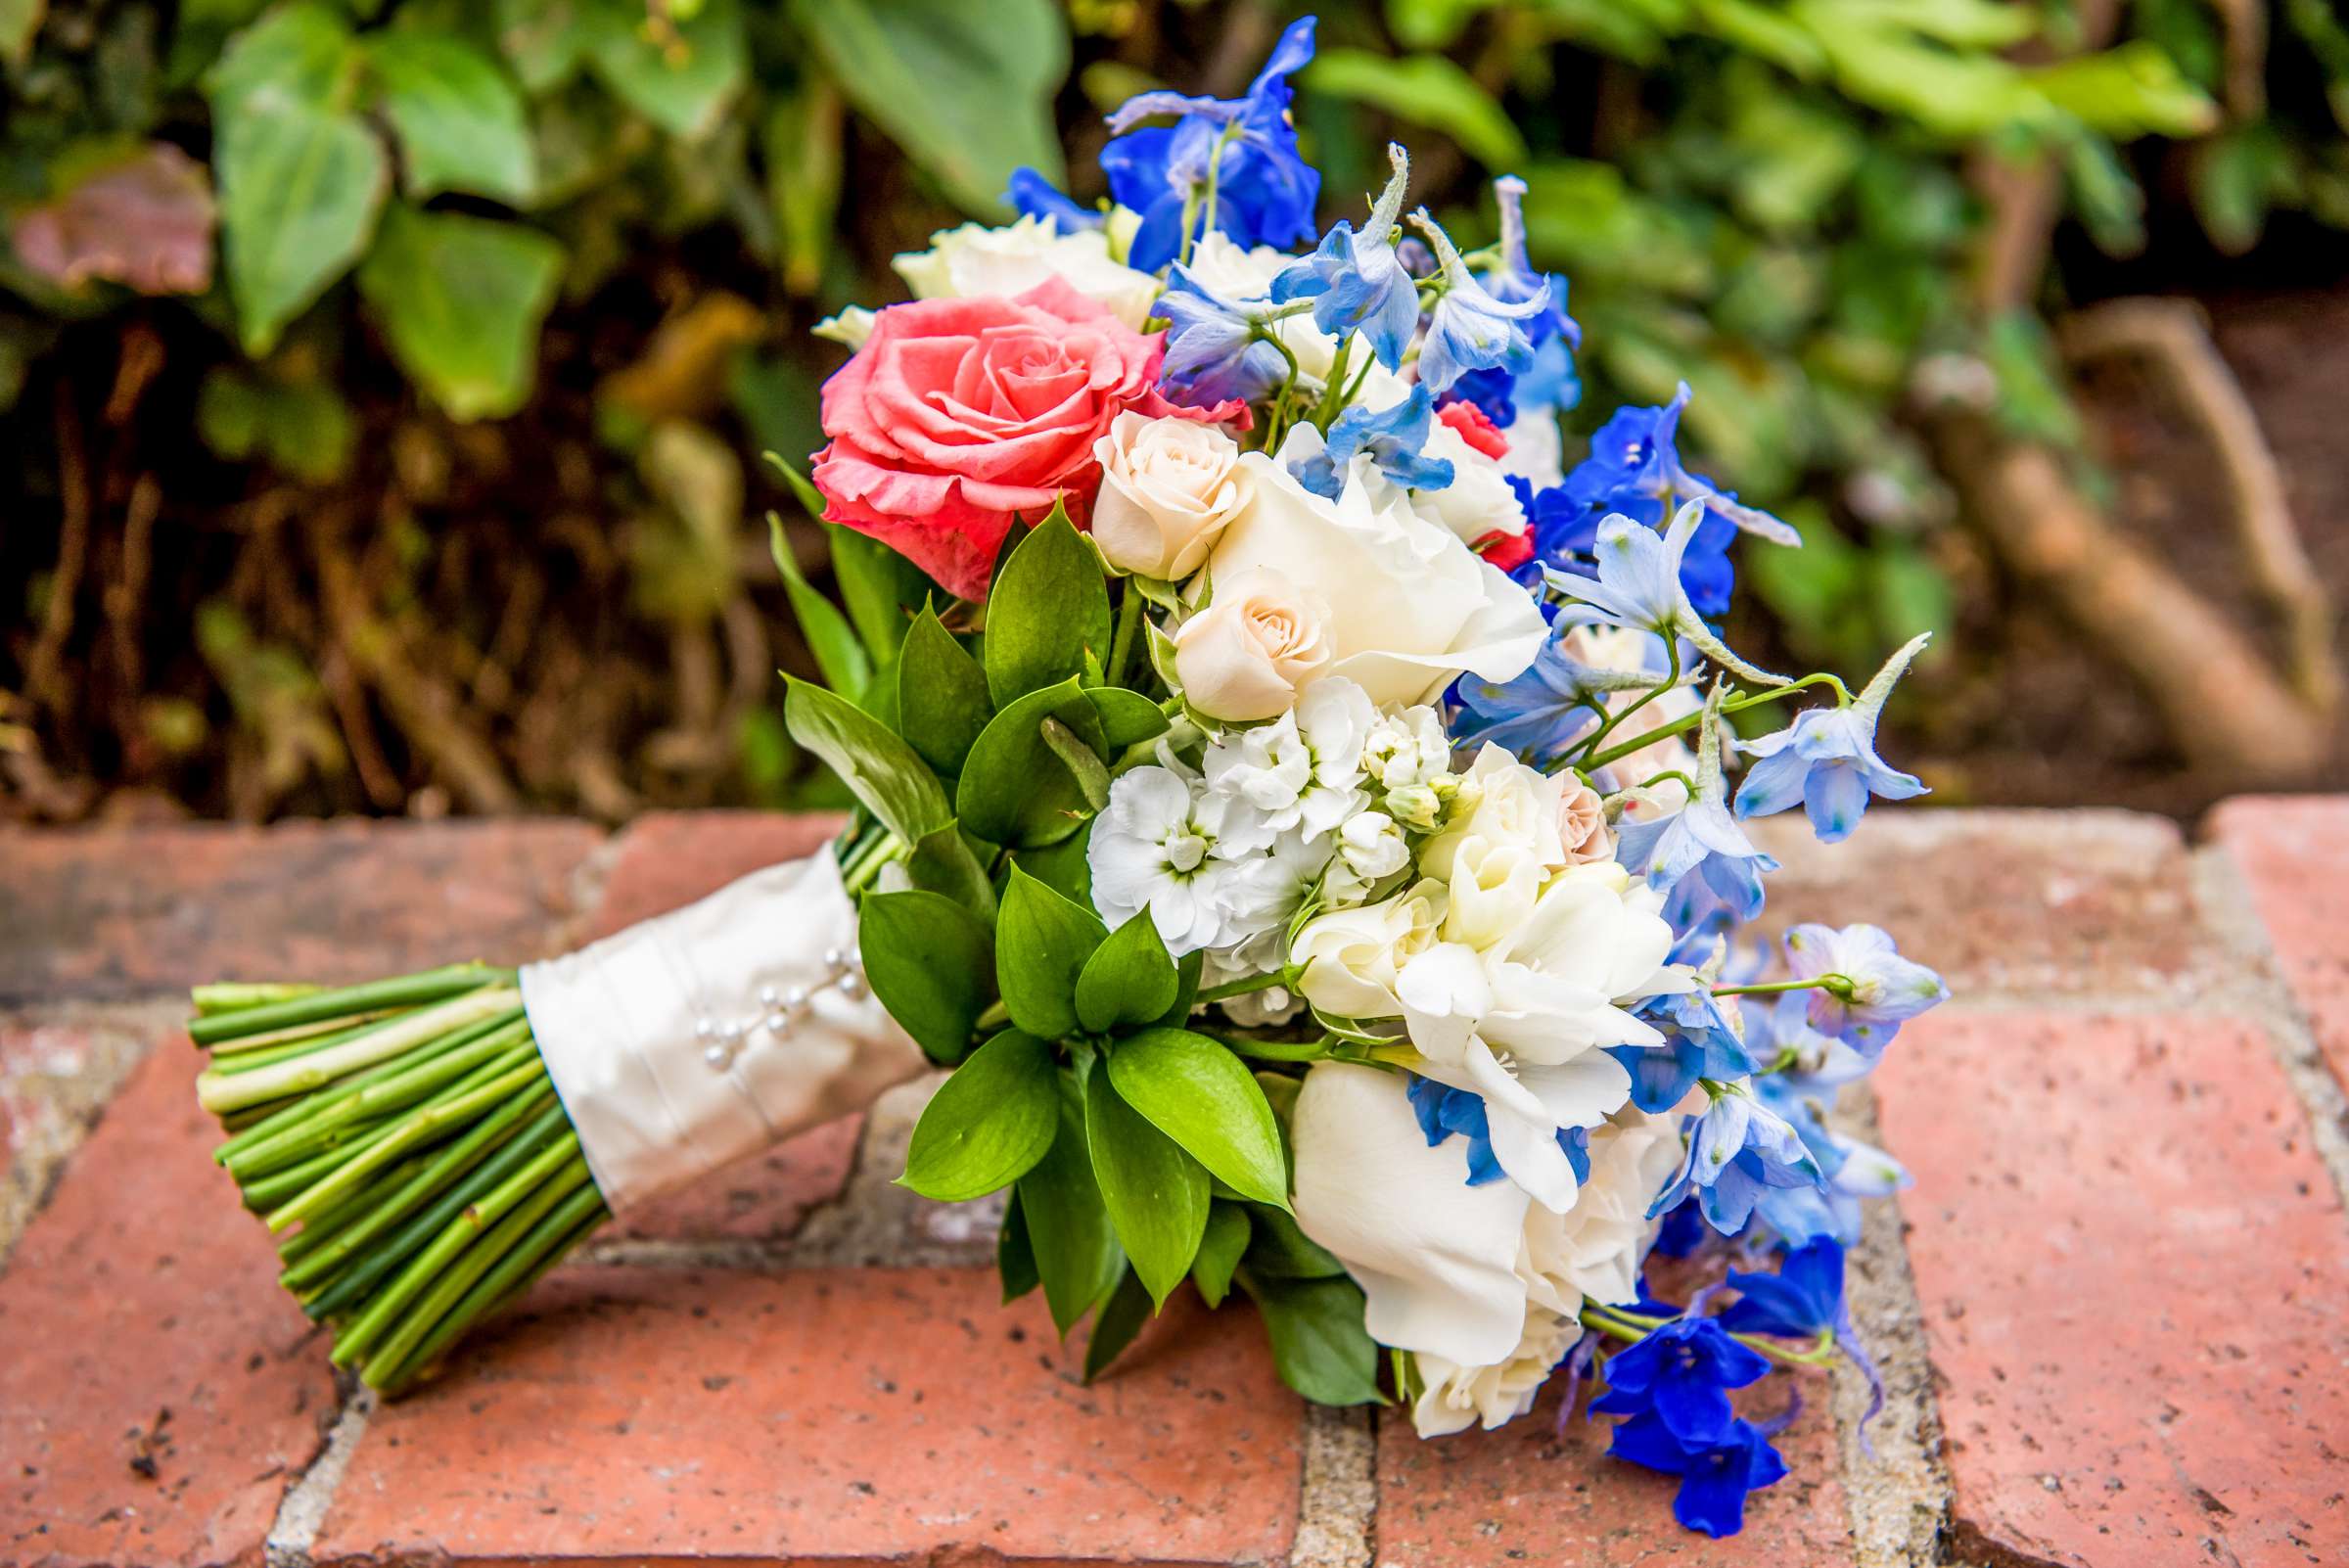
<point x="2115" y="1312"/>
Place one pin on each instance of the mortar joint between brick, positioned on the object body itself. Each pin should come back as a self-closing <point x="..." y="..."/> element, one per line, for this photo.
<point x="302" y="1511"/>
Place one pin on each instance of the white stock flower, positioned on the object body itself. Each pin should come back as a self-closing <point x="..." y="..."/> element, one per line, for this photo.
<point x="1409" y="606"/>
<point x="1536" y="451"/>
<point x="1261" y="954"/>
<point x="1167" y="489"/>
<point x="1406" y="747"/>
<point x="1303" y="770"/>
<point x="1372" y="845"/>
<point x="1479" y="500"/>
<point x="975" y="260"/>
<point x="1153" y="849"/>
<point x="1455" y="1397"/>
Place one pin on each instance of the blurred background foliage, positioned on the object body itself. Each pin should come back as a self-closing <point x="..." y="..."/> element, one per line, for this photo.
<point x="381" y="383"/>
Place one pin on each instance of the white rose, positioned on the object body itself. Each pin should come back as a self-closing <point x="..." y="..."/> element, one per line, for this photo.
<point x="1410" y="606"/>
<point x="1247" y="274"/>
<point x="1500" y="801"/>
<point x="1245" y="655"/>
<point x="1455" y="1397"/>
<point x="1479" y="500"/>
<point x="975" y="260"/>
<point x="1436" y="1258"/>
<point x="1349" y="959"/>
<point x="1594" y="1249"/>
<point x="1537" y="450"/>
<point x="1167" y="489"/>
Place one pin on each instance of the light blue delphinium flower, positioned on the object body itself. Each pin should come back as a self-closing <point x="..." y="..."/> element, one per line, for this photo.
<point x="1878" y="989"/>
<point x="1396" y="440"/>
<point x="1356" y="281"/>
<point x="1470" y="329"/>
<point x="1512" y="279"/>
<point x="1214" y="348"/>
<point x="1262" y="189"/>
<point x="1639" y="585"/>
<point x="1739" y="1149"/>
<point x="1699" y="1043"/>
<point x="1700" y="839"/>
<point x="1543" y="712"/>
<point x="1827" y="759"/>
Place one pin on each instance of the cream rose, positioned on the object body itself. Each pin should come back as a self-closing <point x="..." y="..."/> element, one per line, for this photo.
<point x="975" y="260"/>
<point x="1245" y="655"/>
<point x="1348" y="961"/>
<point x="1583" y="825"/>
<point x="1410" y="606"/>
<point x="1167" y="489"/>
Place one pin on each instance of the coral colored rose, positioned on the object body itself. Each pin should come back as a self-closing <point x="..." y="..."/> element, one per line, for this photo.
<point x="1475" y="429"/>
<point x="959" y="415"/>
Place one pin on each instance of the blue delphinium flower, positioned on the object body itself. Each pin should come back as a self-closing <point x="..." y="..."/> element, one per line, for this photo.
<point x="1444" y="1112"/>
<point x="1805" y="1300"/>
<point x="1213" y="349"/>
<point x="1264" y="191"/>
<point x="1700" y="839"/>
<point x="1682" y="1372"/>
<point x="1396" y="438"/>
<point x="1539" y="713"/>
<point x="1356" y="281"/>
<point x="1470" y="329"/>
<point x="1739" y="1149"/>
<point x="1879" y="989"/>
<point x="1494" y="394"/>
<point x="1033" y="195"/>
<point x="1715" y="1477"/>
<point x="1827" y="759"/>
<point x="1637" y="585"/>
<point x="1634" y="468"/>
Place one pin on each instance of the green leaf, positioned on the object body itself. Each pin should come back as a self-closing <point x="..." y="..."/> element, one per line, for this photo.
<point x="989" y="1124"/>
<point x="802" y="139"/>
<point x="1119" y="1319"/>
<point x="966" y="90"/>
<point x="1075" y="1253"/>
<point x="1319" y="1346"/>
<point x="1085" y="767"/>
<point x="1041" y="944"/>
<point x="1015" y="1258"/>
<point x="1063" y="866"/>
<point x="1016" y="785"/>
<point x="1048" y="609"/>
<point x="1220" y="1251"/>
<point x="932" y="964"/>
<point x="20" y="19"/>
<point x="941" y="695"/>
<point x="882" y="589"/>
<point x="1279" y="1249"/>
<point x="1128" y="980"/>
<point x="845" y="667"/>
<point x="942" y="860"/>
<point x="460" y="122"/>
<point x="1016" y="788"/>
<point x="1126" y="716"/>
<point x="880" y="770"/>
<point x="460" y="300"/>
<point x="1155" y="1194"/>
<point x="543" y="39"/>
<point x="300" y="191"/>
<point x="1204" y="1097"/>
<point x="1423" y="90"/>
<point x="681" y="77"/>
<point x="299" y="54"/>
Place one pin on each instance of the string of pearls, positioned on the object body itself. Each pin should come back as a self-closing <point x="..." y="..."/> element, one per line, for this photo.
<point x="779" y="1010"/>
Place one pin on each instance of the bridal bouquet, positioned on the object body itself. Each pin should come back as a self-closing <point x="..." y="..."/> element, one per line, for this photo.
<point x="1302" y="814"/>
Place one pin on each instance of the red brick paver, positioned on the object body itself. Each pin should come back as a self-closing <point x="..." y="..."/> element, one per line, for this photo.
<point x="157" y="1391"/>
<point x="1525" y="1497"/>
<point x="2295" y="856"/>
<point x="2132" y="1271"/>
<point x="148" y="910"/>
<point x="848" y="1415"/>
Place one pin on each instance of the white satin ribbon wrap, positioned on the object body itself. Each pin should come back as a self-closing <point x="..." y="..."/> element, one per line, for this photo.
<point x="659" y="1038"/>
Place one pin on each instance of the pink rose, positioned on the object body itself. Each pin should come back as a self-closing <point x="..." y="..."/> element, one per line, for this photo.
<point x="959" y="415"/>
